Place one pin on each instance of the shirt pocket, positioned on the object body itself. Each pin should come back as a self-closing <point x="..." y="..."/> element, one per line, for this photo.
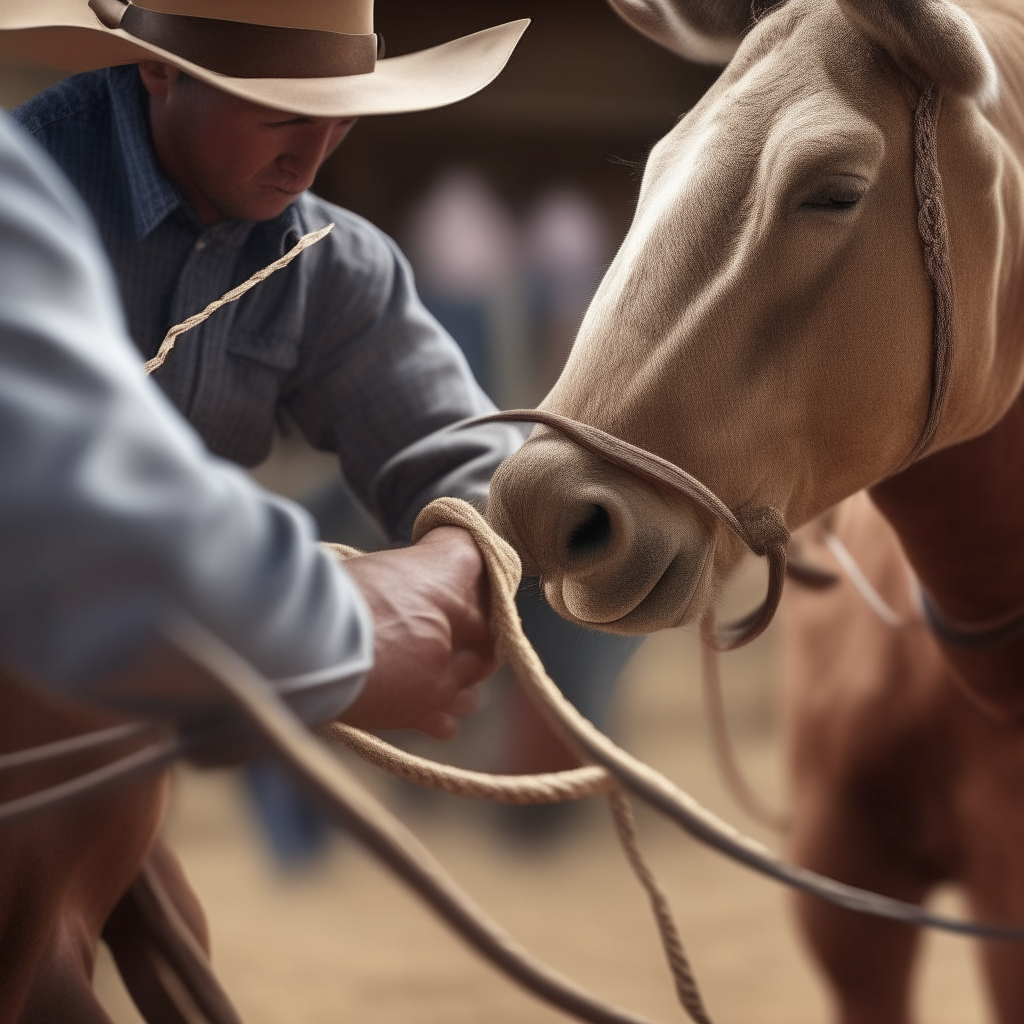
<point x="265" y="348"/>
<point x="237" y="408"/>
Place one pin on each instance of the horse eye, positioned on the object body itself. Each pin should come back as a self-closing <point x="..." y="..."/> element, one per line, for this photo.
<point x="836" y="195"/>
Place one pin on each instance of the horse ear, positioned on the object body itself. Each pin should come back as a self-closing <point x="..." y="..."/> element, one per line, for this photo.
<point x="706" y="31"/>
<point x="930" y="36"/>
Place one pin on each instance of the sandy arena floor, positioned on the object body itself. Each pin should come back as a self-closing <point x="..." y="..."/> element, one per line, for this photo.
<point x="345" y="942"/>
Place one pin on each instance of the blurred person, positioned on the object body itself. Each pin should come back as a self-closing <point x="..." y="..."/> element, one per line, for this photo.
<point x="194" y="143"/>
<point x="567" y="246"/>
<point x="114" y="516"/>
<point x="464" y="245"/>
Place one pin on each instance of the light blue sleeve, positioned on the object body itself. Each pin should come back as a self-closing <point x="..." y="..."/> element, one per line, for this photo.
<point x="112" y="513"/>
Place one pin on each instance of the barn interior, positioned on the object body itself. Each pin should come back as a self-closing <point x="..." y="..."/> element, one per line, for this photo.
<point x="536" y="177"/>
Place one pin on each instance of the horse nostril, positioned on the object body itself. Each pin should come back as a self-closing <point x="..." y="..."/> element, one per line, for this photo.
<point x="593" y="534"/>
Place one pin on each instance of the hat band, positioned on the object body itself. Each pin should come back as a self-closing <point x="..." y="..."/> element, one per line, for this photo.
<point x="242" y="50"/>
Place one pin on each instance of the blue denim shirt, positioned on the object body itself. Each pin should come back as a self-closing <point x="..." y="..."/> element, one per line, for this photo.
<point x="339" y="342"/>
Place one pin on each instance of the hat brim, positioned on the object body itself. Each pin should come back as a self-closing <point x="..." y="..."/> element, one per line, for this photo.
<point x="66" y="35"/>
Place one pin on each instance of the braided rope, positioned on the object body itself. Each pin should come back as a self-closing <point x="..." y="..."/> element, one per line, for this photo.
<point x="543" y="788"/>
<point x="167" y="345"/>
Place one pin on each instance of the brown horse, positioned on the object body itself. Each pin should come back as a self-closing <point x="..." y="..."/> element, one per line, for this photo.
<point x="770" y="326"/>
<point x="89" y="869"/>
<point x="899" y="780"/>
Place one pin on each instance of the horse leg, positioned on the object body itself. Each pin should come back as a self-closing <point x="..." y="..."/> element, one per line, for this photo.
<point x="868" y="961"/>
<point x="1003" y="965"/>
<point x="993" y="876"/>
<point x="61" y="872"/>
<point x="160" y="942"/>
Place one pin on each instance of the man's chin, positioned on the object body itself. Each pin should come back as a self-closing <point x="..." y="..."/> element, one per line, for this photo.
<point x="265" y="207"/>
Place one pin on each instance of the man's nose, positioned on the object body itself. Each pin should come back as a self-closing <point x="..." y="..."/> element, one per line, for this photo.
<point x="305" y="155"/>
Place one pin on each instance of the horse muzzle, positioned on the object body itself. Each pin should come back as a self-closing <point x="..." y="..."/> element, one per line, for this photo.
<point x="612" y="551"/>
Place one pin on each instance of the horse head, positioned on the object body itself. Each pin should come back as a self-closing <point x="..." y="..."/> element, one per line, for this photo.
<point x="767" y="324"/>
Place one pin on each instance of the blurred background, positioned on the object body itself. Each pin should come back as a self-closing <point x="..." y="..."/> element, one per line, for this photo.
<point x="510" y="205"/>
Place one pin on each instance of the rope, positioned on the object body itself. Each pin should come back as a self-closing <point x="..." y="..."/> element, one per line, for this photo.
<point x="679" y="964"/>
<point x="47" y="753"/>
<point x="543" y="788"/>
<point x="632" y="774"/>
<point x="378" y="829"/>
<point x="725" y="752"/>
<point x="548" y="787"/>
<point x="872" y="598"/>
<point x="146" y="761"/>
<point x="196" y="319"/>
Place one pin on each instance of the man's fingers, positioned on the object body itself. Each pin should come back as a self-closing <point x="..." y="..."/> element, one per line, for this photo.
<point x="439" y="725"/>
<point x="467" y="668"/>
<point x="465" y="702"/>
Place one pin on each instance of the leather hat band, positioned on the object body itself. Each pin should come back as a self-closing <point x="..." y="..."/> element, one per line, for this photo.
<point x="242" y="50"/>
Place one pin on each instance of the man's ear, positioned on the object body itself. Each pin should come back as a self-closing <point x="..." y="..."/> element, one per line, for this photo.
<point x="706" y="31"/>
<point x="932" y="38"/>
<point x="158" y="77"/>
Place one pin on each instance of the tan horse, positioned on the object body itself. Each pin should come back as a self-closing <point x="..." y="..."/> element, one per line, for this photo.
<point x="769" y="326"/>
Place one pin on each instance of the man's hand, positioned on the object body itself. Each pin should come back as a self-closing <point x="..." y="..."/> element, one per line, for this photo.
<point x="432" y="643"/>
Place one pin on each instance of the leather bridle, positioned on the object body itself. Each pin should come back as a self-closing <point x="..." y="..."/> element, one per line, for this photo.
<point x="763" y="529"/>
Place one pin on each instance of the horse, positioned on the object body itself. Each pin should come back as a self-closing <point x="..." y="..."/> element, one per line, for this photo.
<point x="92" y="869"/>
<point x="900" y="779"/>
<point x="819" y="295"/>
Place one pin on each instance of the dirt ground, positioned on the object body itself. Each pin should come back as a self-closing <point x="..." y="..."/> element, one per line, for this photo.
<point x="346" y="942"/>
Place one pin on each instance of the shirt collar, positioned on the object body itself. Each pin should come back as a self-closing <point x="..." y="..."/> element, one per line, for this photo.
<point x="153" y="196"/>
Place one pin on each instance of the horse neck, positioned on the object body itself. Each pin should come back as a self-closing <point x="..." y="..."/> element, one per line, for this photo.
<point x="958" y="516"/>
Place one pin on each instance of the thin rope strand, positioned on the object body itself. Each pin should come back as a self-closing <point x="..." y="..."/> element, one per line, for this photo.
<point x="167" y="345"/>
<point x="864" y="586"/>
<point x="682" y="973"/>
<point x="542" y="788"/>
<point x="47" y="753"/>
<point x="722" y="746"/>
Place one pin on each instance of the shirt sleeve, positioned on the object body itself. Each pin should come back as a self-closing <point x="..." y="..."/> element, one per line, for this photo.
<point x="112" y="513"/>
<point x="383" y="384"/>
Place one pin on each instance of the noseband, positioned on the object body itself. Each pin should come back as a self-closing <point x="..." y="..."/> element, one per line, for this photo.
<point x="763" y="529"/>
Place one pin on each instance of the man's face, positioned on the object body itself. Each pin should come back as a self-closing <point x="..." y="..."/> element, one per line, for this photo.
<point x="233" y="159"/>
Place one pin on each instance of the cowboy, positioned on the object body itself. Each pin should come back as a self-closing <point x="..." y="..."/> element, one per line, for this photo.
<point x="194" y="145"/>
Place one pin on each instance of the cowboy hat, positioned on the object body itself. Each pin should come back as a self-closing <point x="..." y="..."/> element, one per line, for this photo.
<point x="316" y="58"/>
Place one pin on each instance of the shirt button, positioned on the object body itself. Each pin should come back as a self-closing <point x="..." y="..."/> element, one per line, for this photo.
<point x="200" y="245"/>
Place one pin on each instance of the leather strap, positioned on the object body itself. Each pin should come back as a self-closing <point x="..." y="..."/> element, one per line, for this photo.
<point x="762" y="529"/>
<point x="972" y="636"/>
<point x="933" y="229"/>
<point x="242" y="50"/>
